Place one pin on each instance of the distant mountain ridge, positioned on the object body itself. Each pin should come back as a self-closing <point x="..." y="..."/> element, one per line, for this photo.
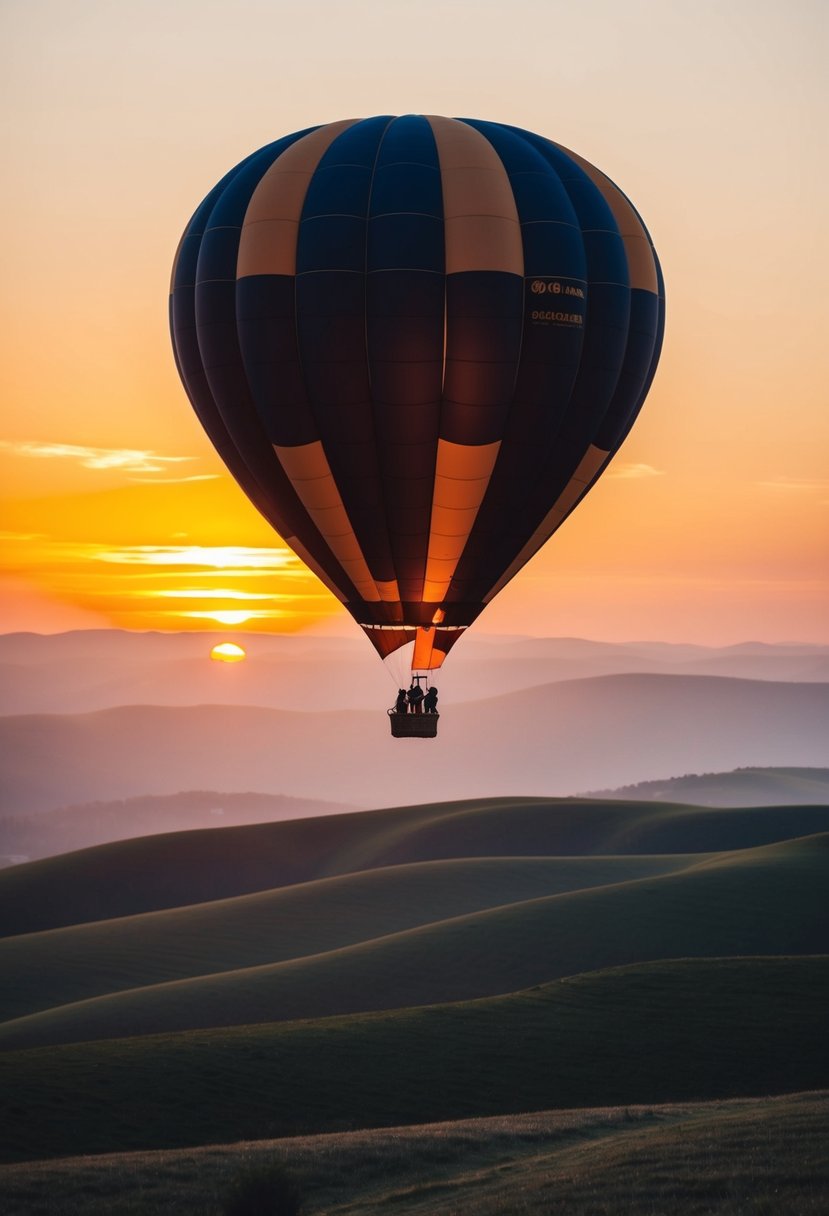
<point x="602" y="732"/>
<point x="741" y="787"/>
<point x="28" y="837"/>
<point x="87" y="670"/>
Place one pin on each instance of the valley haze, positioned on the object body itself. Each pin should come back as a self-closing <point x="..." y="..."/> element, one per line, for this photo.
<point x="103" y="715"/>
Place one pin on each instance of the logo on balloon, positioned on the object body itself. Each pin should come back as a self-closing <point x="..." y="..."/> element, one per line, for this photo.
<point x="538" y="287"/>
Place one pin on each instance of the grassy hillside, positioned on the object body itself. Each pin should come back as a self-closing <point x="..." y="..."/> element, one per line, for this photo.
<point x="130" y="877"/>
<point x="742" y="787"/>
<point x="745" y="1157"/>
<point x="770" y="900"/>
<point x="674" y="1031"/>
<point x="61" y="965"/>
<point x="556" y="738"/>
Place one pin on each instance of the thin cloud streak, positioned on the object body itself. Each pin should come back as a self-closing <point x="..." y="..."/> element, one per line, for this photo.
<point x="633" y="472"/>
<point x="128" y="460"/>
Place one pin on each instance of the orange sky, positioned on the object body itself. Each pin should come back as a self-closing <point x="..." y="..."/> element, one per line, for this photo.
<point x="711" y="525"/>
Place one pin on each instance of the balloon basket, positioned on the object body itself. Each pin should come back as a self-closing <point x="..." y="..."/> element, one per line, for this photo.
<point x="413" y="726"/>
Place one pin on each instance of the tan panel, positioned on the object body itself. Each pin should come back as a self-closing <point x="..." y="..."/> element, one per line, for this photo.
<point x="465" y="461"/>
<point x="482" y="228"/>
<point x="588" y="467"/>
<point x="641" y="264"/>
<point x="483" y="242"/>
<point x="310" y="474"/>
<point x="462" y="474"/>
<point x="389" y="591"/>
<point x="269" y="231"/>
<point x="590" y="463"/>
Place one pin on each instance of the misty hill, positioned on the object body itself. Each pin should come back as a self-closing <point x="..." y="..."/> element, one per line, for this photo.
<point x="764" y="901"/>
<point x="30" y="837"/>
<point x="743" y="787"/>
<point x="663" y="1031"/>
<point x="24" y="838"/>
<point x="554" y="739"/>
<point x="174" y="870"/>
<point x="98" y="669"/>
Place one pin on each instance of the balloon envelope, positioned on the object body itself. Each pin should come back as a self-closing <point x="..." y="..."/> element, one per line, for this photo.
<point x="416" y="342"/>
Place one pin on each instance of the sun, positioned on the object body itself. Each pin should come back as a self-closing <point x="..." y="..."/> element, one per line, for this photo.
<point x="227" y="652"/>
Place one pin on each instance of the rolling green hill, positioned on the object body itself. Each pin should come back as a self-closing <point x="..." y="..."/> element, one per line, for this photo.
<point x="764" y="901"/>
<point x="61" y="965"/>
<point x="679" y="1030"/>
<point x="134" y="876"/>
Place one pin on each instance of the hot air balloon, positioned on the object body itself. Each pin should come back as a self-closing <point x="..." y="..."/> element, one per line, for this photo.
<point x="416" y="342"/>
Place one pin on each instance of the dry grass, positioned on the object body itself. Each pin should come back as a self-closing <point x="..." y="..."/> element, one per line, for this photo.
<point x="753" y="1157"/>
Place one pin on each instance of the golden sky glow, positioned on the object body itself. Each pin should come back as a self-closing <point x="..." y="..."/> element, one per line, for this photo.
<point x="713" y="523"/>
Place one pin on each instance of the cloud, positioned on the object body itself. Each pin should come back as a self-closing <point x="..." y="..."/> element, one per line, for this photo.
<point x="221" y="557"/>
<point x="801" y="485"/>
<point x="631" y="472"/>
<point x="175" y="481"/>
<point x="127" y="460"/>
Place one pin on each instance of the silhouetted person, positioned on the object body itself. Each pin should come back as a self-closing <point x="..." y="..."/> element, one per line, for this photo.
<point x="400" y="705"/>
<point x="415" y="696"/>
<point x="430" y="701"/>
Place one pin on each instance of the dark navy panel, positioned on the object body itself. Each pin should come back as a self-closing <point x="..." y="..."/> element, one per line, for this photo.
<point x="266" y="321"/>
<point x="541" y="198"/>
<point x="478" y="390"/>
<point x="657" y="350"/>
<point x="644" y="325"/>
<point x="407" y="188"/>
<point x="405" y="294"/>
<point x="405" y="242"/>
<point x="344" y="187"/>
<point x="405" y="335"/>
<point x="331" y="242"/>
<point x="553" y="250"/>
<point x="416" y="385"/>
<point x="405" y="327"/>
<point x="397" y="339"/>
<point x="606" y="258"/>
<point x="357" y="145"/>
<point x="408" y="139"/>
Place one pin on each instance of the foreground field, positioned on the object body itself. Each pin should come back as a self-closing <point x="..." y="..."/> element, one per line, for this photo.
<point x="757" y="1157"/>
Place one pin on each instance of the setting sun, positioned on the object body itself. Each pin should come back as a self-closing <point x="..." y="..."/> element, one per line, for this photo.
<point x="227" y="652"/>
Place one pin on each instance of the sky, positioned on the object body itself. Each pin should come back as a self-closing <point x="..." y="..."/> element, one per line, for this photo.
<point x="712" y="524"/>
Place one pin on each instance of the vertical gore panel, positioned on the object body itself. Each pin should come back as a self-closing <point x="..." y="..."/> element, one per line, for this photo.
<point x="461" y="477"/>
<point x="481" y="221"/>
<point x="331" y="328"/>
<point x="405" y="305"/>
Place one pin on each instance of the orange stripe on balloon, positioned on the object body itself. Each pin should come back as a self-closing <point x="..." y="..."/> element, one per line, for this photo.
<point x="271" y="225"/>
<point x="481" y="224"/>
